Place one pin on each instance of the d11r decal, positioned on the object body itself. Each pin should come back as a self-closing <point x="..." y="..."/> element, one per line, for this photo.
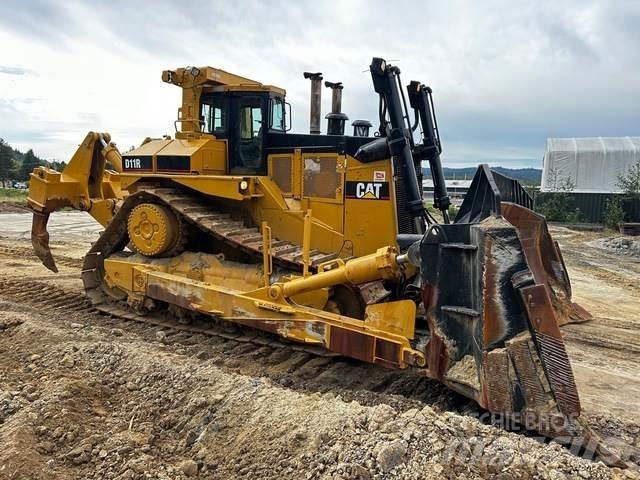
<point x="367" y="190"/>
<point x="137" y="163"/>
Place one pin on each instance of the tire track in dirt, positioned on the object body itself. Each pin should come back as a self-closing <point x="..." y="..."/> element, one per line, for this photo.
<point x="255" y="353"/>
<point x="260" y="355"/>
<point x="26" y="253"/>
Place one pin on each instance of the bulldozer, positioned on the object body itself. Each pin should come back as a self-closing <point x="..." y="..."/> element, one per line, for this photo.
<point x="326" y="240"/>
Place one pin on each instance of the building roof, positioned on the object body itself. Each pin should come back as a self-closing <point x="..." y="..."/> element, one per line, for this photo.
<point x="428" y="182"/>
<point x="590" y="165"/>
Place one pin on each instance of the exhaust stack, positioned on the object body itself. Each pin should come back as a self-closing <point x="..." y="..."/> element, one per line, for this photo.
<point x="336" y="119"/>
<point x="315" y="101"/>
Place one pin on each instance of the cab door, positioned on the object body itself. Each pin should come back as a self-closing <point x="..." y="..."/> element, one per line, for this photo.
<point x="247" y="135"/>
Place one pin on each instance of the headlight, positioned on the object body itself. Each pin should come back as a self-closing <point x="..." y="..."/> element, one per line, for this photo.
<point x="244" y="185"/>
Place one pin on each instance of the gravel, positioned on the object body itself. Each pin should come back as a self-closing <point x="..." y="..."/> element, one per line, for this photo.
<point x="623" y="245"/>
<point x="122" y="407"/>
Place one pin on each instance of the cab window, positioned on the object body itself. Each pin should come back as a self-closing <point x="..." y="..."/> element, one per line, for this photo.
<point x="213" y="116"/>
<point x="251" y="133"/>
<point x="250" y="118"/>
<point x="277" y="114"/>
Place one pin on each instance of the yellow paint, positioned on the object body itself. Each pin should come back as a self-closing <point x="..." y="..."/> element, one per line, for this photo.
<point x="308" y="208"/>
<point x="376" y="266"/>
<point x="397" y="317"/>
<point x="85" y="184"/>
<point x="306" y="243"/>
<point x="267" y="258"/>
<point x="207" y="79"/>
<point x="153" y="229"/>
<point x="352" y="227"/>
<point x="228" y="288"/>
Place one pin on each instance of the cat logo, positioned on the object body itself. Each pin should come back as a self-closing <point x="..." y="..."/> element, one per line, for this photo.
<point x="367" y="190"/>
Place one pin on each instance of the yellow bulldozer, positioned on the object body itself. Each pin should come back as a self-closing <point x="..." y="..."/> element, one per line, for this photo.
<point x="325" y="240"/>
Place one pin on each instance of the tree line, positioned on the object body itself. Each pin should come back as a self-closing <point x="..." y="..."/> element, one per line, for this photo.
<point x="560" y="204"/>
<point x="16" y="166"/>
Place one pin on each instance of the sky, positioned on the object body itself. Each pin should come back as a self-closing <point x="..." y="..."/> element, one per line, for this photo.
<point x="505" y="74"/>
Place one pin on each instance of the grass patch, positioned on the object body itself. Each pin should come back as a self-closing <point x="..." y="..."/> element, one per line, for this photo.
<point x="12" y="195"/>
<point x="437" y="214"/>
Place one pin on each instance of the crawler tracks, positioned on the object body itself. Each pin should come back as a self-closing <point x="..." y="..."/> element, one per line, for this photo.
<point x="221" y="229"/>
<point x="246" y="351"/>
<point x="251" y="352"/>
<point x="221" y="226"/>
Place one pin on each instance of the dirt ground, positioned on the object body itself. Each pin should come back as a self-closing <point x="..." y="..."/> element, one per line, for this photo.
<point x="85" y="395"/>
<point x="12" y="207"/>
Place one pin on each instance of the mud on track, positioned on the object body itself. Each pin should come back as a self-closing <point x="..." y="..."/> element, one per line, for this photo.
<point x="84" y="395"/>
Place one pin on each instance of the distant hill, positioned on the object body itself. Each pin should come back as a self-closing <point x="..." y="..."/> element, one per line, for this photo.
<point x="529" y="176"/>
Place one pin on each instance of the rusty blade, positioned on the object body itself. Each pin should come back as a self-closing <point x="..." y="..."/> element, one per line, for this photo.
<point x="40" y="240"/>
<point x="551" y="348"/>
<point x="545" y="261"/>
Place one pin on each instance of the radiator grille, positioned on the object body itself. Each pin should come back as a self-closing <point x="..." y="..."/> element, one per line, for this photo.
<point x="321" y="180"/>
<point x="282" y="173"/>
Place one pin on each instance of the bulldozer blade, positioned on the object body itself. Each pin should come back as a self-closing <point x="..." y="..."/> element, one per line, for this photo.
<point x="545" y="261"/>
<point x="40" y="240"/>
<point x="495" y="334"/>
<point x="494" y="327"/>
<point x="496" y="292"/>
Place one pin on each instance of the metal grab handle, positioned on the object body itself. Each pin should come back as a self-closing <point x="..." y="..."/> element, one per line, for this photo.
<point x="175" y="122"/>
<point x="267" y="258"/>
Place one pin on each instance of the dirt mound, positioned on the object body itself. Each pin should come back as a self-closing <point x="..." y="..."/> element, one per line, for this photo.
<point x="620" y="245"/>
<point x="83" y="395"/>
<point x="13" y="207"/>
<point x="81" y="400"/>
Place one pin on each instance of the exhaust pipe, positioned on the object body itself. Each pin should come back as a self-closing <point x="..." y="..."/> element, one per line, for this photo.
<point x="336" y="96"/>
<point x="336" y="119"/>
<point x="316" y="98"/>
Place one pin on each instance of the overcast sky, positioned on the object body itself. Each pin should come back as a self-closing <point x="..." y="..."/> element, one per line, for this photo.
<point x="506" y="74"/>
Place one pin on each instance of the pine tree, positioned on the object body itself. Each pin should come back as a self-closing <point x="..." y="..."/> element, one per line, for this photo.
<point x="6" y="163"/>
<point x="28" y="164"/>
<point x="629" y="182"/>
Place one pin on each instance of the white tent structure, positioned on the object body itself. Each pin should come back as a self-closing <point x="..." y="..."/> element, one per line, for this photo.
<point x="587" y="165"/>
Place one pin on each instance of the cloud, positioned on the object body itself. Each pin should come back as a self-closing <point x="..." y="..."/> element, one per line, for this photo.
<point x="13" y="70"/>
<point x="506" y="74"/>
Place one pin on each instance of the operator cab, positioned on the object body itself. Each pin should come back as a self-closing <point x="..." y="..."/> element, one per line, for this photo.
<point x="244" y="119"/>
<point x="234" y="108"/>
<point x="253" y="119"/>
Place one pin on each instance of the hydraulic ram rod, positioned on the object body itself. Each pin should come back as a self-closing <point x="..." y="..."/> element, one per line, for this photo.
<point x="384" y="264"/>
<point x="385" y="82"/>
<point x="421" y="101"/>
